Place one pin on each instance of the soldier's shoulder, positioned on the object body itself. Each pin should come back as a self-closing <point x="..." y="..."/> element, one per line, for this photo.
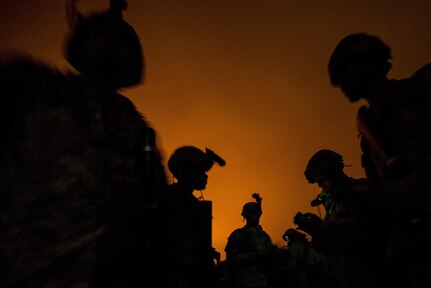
<point x="29" y="78"/>
<point x="124" y="121"/>
<point x="422" y="78"/>
<point x="22" y="62"/>
<point x="424" y="72"/>
<point x="237" y="233"/>
<point x="266" y="236"/>
<point x="125" y="105"/>
<point x="26" y="70"/>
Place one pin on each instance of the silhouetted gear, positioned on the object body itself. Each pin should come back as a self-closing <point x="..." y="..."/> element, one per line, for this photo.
<point x="322" y="161"/>
<point x="357" y="47"/>
<point x="105" y="49"/>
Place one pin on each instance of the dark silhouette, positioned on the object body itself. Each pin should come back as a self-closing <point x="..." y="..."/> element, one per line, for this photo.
<point x="318" y="165"/>
<point x="326" y="169"/>
<point x="304" y="265"/>
<point x="249" y="250"/>
<point x="349" y="224"/>
<point x="75" y="163"/>
<point x="395" y="138"/>
<point x="187" y="221"/>
<point x="312" y="225"/>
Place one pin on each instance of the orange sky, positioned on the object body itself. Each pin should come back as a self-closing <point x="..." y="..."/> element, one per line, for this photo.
<point x="246" y="78"/>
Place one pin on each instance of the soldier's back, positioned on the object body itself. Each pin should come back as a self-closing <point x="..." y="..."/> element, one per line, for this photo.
<point x="71" y="187"/>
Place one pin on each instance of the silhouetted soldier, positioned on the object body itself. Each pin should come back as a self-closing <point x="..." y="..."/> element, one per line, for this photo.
<point x="188" y="221"/>
<point x="312" y="224"/>
<point x="248" y="250"/>
<point x="395" y="138"/>
<point x="349" y="221"/>
<point x="304" y="265"/>
<point x="75" y="164"/>
<point x="327" y="197"/>
<point x="324" y="168"/>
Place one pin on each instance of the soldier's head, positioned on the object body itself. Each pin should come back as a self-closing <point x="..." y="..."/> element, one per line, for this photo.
<point x="324" y="168"/>
<point x="103" y="47"/>
<point x="252" y="211"/>
<point x="189" y="165"/>
<point x="307" y="222"/>
<point x="359" y="65"/>
<point x="291" y="235"/>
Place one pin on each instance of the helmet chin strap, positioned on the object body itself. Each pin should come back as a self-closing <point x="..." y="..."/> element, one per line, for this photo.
<point x="202" y="195"/>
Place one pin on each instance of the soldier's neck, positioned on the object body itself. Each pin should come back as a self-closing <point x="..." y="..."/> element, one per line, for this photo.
<point x="185" y="187"/>
<point x="378" y="92"/>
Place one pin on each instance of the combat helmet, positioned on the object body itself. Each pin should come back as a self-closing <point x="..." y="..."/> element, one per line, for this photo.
<point x="323" y="161"/>
<point x="190" y="156"/>
<point x="103" y="47"/>
<point x="252" y="207"/>
<point x="358" y="47"/>
<point x="293" y="234"/>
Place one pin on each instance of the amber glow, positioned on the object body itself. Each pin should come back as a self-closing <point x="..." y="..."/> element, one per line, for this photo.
<point x="246" y="78"/>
